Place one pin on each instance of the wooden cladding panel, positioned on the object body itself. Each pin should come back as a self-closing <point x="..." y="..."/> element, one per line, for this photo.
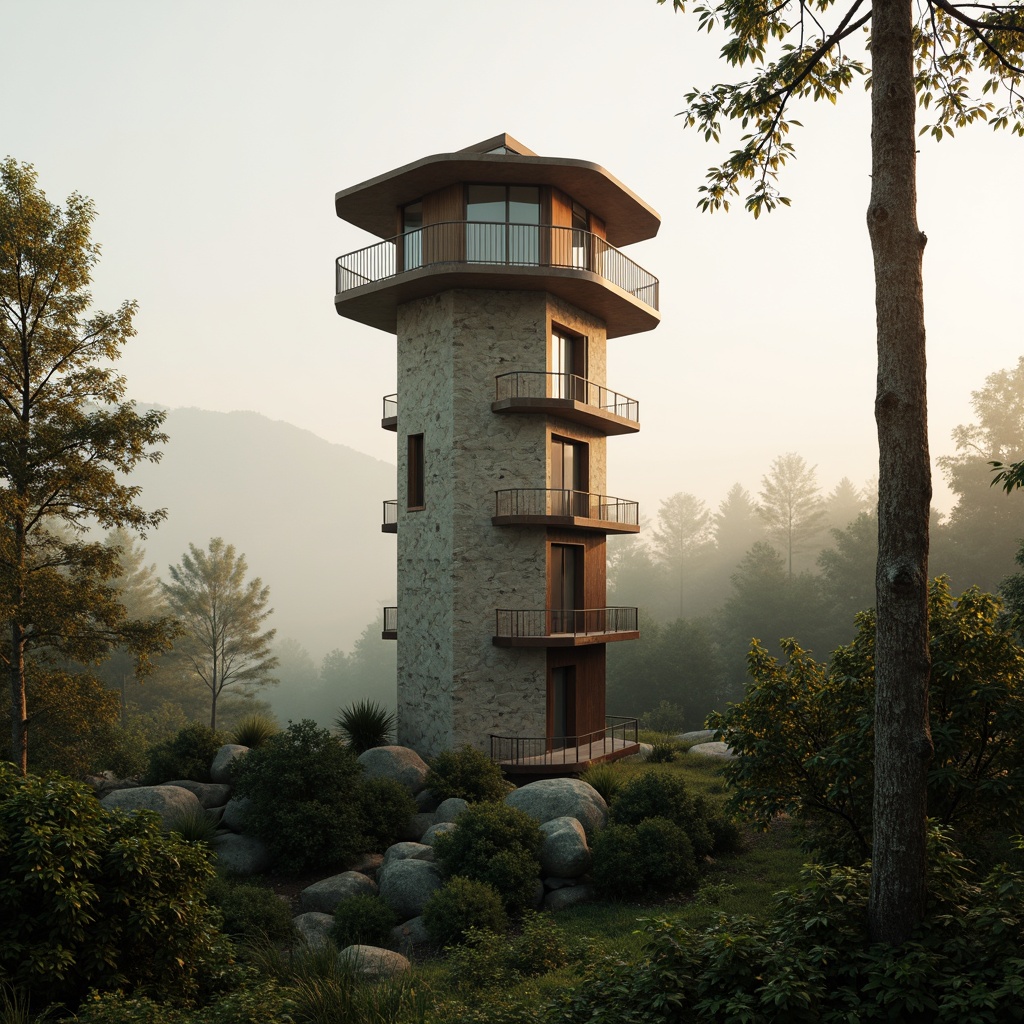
<point x="597" y="226"/>
<point x="589" y="663"/>
<point x="561" y="217"/>
<point x="445" y="206"/>
<point x="595" y="563"/>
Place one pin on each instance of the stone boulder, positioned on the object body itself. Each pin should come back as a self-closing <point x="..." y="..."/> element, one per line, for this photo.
<point x="426" y="802"/>
<point x="450" y="809"/>
<point x="241" y="855"/>
<point x="570" y="896"/>
<point x="170" y="802"/>
<point x="325" y="895"/>
<point x="407" y="936"/>
<point x="565" y="853"/>
<point x="435" y="830"/>
<point x="209" y="794"/>
<point x="696" y="736"/>
<point x="234" y="813"/>
<point x="313" y="928"/>
<point x="714" y="749"/>
<point x="374" y="962"/>
<point x="399" y="763"/>
<point x="108" y="782"/>
<point x="408" y="851"/>
<point x="222" y="769"/>
<point x="406" y="885"/>
<point x="547" y="799"/>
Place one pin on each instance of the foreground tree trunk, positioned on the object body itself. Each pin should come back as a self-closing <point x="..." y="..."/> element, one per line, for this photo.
<point x="903" y="744"/>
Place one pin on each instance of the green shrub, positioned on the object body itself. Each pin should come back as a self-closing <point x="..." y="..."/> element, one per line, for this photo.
<point x="251" y="911"/>
<point x="466" y="773"/>
<point x="804" y="732"/>
<point x="814" y="961"/>
<point x="258" y="1002"/>
<point x="363" y="920"/>
<point x="607" y="779"/>
<point x="89" y="897"/>
<point x="366" y="724"/>
<point x="659" y="794"/>
<point x="497" y="844"/>
<point x="254" y="730"/>
<point x="385" y="808"/>
<point x="487" y="959"/>
<point x="652" y="857"/>
<point x="461" y="904"/>
<point x="188" y="755"/>
<point x="303" y="786"/>
<point x="663" y="751"/>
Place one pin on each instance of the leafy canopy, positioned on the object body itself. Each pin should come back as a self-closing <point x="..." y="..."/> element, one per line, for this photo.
<point x="968" y="67"/>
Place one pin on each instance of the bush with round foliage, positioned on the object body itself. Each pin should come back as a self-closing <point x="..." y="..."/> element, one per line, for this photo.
<point x="187" y="755"/>
<point x="466" y="773"/>
<point x="653" y="857"/>
<point x="461" y="904"/>
<point x="662" y="794"/>
<point x="366" y="724"/>
<point x="251" y="911"/>
<point x="91" y="898"/>
<point x="385" y="808"/>
<point x="302" y="786"/>
<point x="497" y="844"/>
<point x="363" y="920"/>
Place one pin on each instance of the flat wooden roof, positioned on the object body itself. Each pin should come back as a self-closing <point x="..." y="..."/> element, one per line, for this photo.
<point x="371" y="204"/>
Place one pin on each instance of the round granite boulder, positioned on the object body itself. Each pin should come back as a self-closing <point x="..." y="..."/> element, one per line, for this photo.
<point x="565" y="853"/>
<point x="209" y="794"/>
<point x="314" y="928"/>
<point x="241" y="855"/>
<point x="402" y="764"/>
<point x="374" y="962"/>
<point x="547" y="799"/>
<point x="170" y="802"/>
<point x="406" y="885"/>
<point x="325" y="895"/>
<point x="222" y="769"/>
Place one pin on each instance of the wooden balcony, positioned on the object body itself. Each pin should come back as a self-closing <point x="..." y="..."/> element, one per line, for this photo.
<point x="389" y="421"/>
<point x="564" y="755"/>
<point x="389" y="522"/>
<point x="390" y="630"/>
<point x="564" y="627"/>
<point x="575" y="265"/>
<point x="566" y="395"/>
<point x="538" y="506"/>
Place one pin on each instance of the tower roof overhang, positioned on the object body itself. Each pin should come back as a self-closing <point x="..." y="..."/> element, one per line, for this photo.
<point x="371" y="205"/>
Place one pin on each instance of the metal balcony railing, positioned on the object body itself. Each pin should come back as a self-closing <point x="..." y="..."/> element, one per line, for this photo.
<point x="540" y="501"/>
<point x="579" y="622"/>
<point x="390" y="407"/>
<point x="496" y="244"/>
<point x="389" y="523"/>
<point x="390" y="623"/>
<point x="537" y="384"/>
<point x="617" y="734"/>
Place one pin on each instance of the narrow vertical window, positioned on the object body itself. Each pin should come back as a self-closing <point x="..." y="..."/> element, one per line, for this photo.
<point x="415" y="489"/>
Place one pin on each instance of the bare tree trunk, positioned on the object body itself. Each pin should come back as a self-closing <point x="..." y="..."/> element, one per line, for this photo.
<point x="19" y="704"/>
<point x="903" y="744"/>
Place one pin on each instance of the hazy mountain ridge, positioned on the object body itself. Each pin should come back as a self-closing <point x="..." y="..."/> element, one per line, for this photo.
<point x="305" y="512"/>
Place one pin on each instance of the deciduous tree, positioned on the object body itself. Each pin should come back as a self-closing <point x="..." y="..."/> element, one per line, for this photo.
<point x="222" y="615"/>
<point x="930" y="54"/>
<point x="67" y="437"/>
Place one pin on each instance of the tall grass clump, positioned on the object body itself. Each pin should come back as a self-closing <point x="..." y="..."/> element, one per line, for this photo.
<point x="605" y="778"/>
<point x="254" y="730"/>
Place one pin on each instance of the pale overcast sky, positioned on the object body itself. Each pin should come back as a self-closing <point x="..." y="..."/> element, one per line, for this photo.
<point x="213" y="136"/>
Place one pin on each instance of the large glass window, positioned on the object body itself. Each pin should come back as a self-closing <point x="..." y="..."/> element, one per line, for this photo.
<point x="566" y="586"/>
<point x="503" y="224"/>
<point x="568" y="365"/>
<point x="569" y="478"/>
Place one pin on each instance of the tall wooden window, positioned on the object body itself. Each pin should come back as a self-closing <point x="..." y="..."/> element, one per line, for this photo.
<point x="415" y="498"/>
<point x="568" y="370"/>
